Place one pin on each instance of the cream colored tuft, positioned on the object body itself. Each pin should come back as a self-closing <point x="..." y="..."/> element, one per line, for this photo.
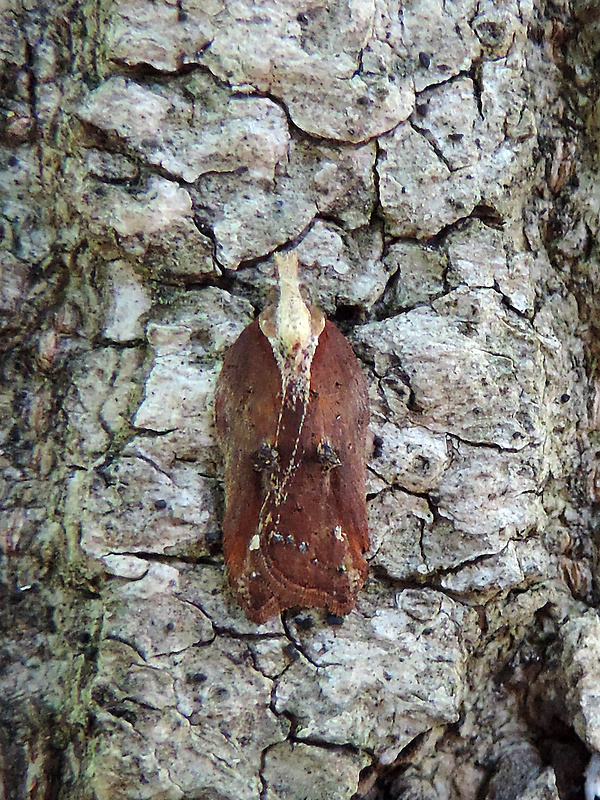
<point x="293" y="328"/>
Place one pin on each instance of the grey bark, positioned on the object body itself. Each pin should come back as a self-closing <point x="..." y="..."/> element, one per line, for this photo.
<point x="435" y="166"/>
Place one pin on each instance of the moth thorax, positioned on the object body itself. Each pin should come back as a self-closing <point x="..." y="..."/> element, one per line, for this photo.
<point x="291" y="327"/>
<point x="293" y="323"/>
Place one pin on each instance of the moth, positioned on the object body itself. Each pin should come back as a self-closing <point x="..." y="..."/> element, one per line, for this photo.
<point x="292" y="414"/>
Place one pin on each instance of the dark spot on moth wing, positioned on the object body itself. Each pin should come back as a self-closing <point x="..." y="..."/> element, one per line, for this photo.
<point x="334" y="619"/>
<point x="265" y="457"/>
<point x="327" y="455"/>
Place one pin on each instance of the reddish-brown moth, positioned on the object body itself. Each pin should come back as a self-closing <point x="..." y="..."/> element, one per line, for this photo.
<point x="292" y="414"/>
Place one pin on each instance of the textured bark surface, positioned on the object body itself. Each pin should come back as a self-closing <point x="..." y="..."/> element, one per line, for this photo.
<point x="435" y="164"/>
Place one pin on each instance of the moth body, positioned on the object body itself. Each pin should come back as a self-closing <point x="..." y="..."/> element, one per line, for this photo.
<point x="292" y="416"/>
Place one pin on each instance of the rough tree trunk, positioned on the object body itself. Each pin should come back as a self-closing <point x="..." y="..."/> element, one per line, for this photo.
<point x="435" y="165"/>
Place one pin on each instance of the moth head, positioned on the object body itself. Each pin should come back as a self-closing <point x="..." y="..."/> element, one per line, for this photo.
<point x="290" y="324"/>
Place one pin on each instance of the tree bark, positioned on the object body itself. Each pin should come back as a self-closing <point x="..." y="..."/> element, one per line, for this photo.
<point x="434" y="165"/>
